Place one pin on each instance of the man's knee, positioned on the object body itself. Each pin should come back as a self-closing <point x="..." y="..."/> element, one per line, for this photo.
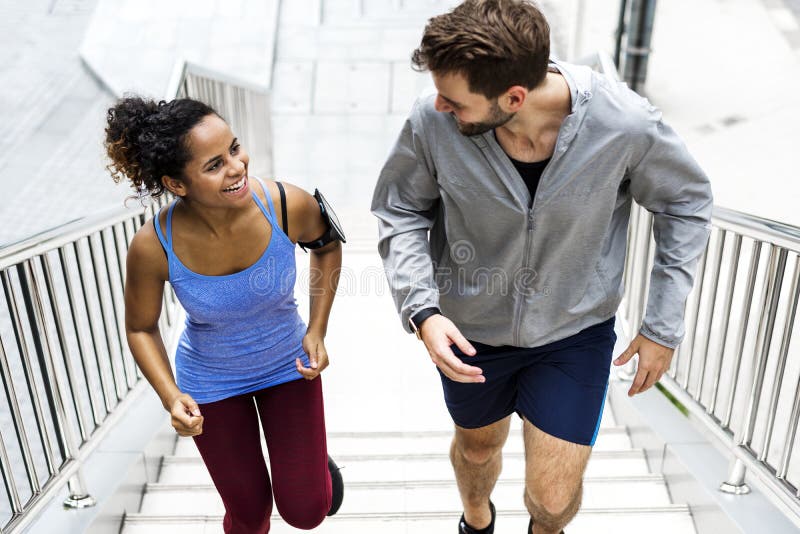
<point x="553" y="507"/>
<point x="477" y="453"/>
<point x="478" y="447"/>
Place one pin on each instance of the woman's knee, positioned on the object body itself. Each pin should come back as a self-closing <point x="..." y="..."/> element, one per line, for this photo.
<point x="248" y="506"/>
<point x="304" y="512"/>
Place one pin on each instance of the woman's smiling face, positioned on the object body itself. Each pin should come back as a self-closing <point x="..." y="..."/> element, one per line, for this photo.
<point x="216" y="175"/>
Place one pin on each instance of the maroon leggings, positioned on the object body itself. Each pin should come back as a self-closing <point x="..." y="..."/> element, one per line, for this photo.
<point x="293" y="419"/>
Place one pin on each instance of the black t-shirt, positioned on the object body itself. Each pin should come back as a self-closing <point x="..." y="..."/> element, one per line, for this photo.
<point x="531" y="173"/>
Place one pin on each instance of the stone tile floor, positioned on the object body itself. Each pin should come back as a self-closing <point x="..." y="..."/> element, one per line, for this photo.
<point x="51" y="159"/>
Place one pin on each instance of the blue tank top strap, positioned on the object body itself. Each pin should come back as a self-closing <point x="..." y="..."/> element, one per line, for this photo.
<point x="169" y="226"/>
<point x="268" y="213"/>
<point x="165" y="242"/>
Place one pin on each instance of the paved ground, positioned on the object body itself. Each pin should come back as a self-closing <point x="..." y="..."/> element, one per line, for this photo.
<point x="52" y="109"/>
<point x="731" y="97"/>
<point x="740" y="118"/>
<point x="234" y="37"/>
<point x="726" y="73"/>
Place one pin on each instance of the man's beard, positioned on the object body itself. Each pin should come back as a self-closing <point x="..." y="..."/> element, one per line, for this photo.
<point x="497" y="117"/>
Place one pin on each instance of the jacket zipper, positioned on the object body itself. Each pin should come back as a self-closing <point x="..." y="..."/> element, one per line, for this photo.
<point x="525" y="263"/>
<point x="521" y="302"/>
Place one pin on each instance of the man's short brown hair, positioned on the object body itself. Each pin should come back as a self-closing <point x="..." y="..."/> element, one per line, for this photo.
<point x="494" y="44"/>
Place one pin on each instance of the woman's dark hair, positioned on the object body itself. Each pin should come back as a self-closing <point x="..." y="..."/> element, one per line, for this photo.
<point x="146" y="140"/>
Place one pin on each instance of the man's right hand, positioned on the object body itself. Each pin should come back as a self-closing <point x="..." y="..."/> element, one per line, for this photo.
<point x="186" y="417"/>
<point x="438" y="333"/>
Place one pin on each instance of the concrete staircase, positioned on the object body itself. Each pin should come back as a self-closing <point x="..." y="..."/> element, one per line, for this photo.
<point x="399" y="482"/>
<point x="390" y="432"/>
<point x="342" y="86"/>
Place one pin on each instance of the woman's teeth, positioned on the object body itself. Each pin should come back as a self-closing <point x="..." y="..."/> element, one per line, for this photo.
<point x="235" y="187"/>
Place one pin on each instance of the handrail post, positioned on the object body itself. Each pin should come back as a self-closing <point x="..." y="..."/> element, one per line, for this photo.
<point x="638" y="278"/>
<point x="735" y="484"/>
<point x="78" y="496"/>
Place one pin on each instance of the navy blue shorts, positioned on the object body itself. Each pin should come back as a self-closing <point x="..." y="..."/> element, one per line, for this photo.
<point x="559" y="387"/>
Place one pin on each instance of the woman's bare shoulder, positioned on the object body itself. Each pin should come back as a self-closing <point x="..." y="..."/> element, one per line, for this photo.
<point x="146" y="254"/>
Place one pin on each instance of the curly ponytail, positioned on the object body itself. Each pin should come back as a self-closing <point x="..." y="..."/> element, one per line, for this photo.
<point x="146" y="140"/>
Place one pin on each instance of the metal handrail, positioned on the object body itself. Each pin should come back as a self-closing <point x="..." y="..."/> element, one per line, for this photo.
<point x="67" y="372"/>
<point x="63" y="340"/>
<point x="732" y="369"/>
<point x="58" y="236"/>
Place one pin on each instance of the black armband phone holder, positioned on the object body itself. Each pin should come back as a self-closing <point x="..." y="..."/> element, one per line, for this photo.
<point x="334" y="231"/>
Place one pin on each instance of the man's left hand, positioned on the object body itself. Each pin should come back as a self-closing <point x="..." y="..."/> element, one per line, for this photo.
<point x="654" y="360"/>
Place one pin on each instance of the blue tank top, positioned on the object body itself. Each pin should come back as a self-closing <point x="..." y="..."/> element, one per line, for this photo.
<point x="243" y="331"/>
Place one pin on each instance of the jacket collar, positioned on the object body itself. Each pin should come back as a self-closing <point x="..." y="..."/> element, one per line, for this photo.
<point x="579" y="79"/>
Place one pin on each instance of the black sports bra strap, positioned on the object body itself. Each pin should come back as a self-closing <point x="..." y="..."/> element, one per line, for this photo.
<point x="285" y="219"/>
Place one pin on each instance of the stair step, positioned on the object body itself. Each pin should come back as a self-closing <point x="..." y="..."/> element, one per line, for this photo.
<point x="672" y="519"/>
<point x="397" y="467"/>
<point x="399" y="443"/>
<point x="394" y="498"/>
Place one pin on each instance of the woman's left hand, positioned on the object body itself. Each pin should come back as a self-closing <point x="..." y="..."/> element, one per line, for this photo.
<point x="314" y="346"/>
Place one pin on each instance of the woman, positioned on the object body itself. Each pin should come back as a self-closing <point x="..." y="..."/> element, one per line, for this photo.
<point x="245" y="354"/>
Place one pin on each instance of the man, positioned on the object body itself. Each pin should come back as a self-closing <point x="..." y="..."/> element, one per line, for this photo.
<point x="503" y="211"/>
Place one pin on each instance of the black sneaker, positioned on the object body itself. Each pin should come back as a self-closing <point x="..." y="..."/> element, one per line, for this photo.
<point x="530" y="527"/>
<point x="464" y="528"/>
<point x="337" y="486"/>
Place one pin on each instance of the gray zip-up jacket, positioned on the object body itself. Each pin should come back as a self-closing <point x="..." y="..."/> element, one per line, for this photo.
<point x="455" y="230"/>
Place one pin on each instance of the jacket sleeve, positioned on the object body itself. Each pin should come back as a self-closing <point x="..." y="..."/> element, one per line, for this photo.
<point x="669" y="183"/>
<point x="405" y="202"/>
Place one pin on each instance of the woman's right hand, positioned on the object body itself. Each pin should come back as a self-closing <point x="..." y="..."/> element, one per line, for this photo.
<point x="186" y="417"/>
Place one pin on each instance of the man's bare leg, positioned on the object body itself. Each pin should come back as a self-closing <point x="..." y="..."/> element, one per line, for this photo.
<point x="477" y="461"/>
<point x="553" y="479"/>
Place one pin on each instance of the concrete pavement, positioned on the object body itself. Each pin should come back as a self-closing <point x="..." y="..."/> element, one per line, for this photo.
<point x="725" y="74"/>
